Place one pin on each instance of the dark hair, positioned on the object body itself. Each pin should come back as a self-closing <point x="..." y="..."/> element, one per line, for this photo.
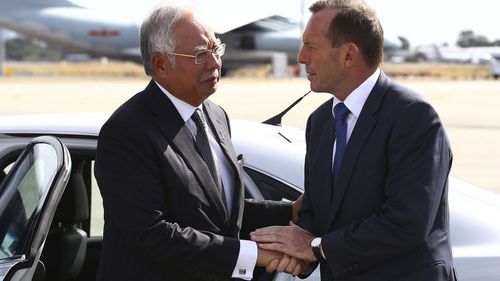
<point x="355" y="22"/>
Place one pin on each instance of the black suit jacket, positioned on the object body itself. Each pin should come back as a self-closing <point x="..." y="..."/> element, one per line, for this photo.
<point x="388" y="219"/>
<point x="164" y="216"/>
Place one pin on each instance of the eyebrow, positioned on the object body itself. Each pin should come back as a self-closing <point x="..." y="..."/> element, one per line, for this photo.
<point x="201" y="48"/>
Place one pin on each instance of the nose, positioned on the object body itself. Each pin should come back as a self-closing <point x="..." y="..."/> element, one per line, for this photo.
<point x="301" y="57"/>
<point x="213" y="61"/>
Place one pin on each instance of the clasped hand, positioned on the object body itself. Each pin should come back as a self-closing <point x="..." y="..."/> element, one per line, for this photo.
<point x="284" y="248"/>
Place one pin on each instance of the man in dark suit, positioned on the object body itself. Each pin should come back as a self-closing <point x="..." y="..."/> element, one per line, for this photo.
<point x="170" y="180"/>
<point x="377" y="162"/>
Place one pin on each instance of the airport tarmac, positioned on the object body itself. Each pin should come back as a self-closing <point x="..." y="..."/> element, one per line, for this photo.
<point x="468" y="108"/>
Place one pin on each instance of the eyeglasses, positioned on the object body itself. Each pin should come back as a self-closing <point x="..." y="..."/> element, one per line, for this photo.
<point x="201" y="56"/>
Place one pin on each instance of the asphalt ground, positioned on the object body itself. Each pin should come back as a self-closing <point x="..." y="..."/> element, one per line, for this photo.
<point x="468" y="108"/>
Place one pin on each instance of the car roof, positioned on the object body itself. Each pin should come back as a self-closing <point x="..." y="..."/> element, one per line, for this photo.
<point x="74" y="123"/>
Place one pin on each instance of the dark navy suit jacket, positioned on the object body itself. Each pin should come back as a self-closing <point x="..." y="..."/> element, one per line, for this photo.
<point x="387" y="216"/>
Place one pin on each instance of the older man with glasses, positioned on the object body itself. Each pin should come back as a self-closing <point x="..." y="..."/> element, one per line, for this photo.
<point x="171" y="183"/>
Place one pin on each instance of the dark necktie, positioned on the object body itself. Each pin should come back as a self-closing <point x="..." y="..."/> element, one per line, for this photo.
<point x="201" y="141"/>
<point x="341" y="113"/>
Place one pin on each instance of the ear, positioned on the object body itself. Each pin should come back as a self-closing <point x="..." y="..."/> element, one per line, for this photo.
<point x="352" y="54"/>
<point x="160" y="63"/>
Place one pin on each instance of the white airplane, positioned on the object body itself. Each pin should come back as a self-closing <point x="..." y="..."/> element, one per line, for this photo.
<point x="116" y="33"/>
<point x="454" y="54"/>
<point x="68" y="25"/>
<point x="251" y="36"/>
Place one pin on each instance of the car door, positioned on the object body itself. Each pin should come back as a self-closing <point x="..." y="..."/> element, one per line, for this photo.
<point x="29" y="194"/>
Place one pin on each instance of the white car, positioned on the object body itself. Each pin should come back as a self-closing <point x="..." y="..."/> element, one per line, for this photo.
<point x="274" y="157"/>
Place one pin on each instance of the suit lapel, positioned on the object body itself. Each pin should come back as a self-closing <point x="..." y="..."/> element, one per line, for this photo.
<point x="220" y="130"/>
<point x="357" y="141"/>
<point x="184" y="142"/>
<point x="172" y="126"/>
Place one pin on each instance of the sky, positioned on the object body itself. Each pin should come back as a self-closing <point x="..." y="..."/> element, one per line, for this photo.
<point x="438" y="21"/>
<point x="421" y="22"/>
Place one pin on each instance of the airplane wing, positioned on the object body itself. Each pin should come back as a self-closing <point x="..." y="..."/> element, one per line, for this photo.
<point x="274" y="23"/>
<point x="5" y="4"/>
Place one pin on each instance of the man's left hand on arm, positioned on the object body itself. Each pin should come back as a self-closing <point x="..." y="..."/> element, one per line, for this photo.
<point x="290" y="240"/>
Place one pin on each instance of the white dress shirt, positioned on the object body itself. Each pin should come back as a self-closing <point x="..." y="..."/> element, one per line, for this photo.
<point x="355" y="102"/>
<point x="247" y="256"/>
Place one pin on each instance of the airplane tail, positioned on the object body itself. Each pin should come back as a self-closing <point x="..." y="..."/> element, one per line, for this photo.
<point x="38" y="3"/>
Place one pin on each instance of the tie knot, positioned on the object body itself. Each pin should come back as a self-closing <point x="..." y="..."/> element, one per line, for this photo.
<point x="341" y="111"/>
<point x="197" y="117"/>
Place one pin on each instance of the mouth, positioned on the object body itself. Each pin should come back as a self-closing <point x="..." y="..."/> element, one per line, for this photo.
<point x="310" y="73"/>
<point x="212" y="79"/>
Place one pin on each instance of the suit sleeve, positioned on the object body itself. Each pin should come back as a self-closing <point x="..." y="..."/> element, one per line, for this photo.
<point x="130" y="180"/>
<point x="418" y="163"/>
<point x="262" y="213"/>
<point x="306" y="214"/>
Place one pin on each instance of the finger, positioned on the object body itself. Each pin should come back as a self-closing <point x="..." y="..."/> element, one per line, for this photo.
<point x="291" y="265"/>
<point x="272" y="246"/>
<point x="267" y="230"/>
<point x="282" y="266"/>
<point x="271" y="267"/>
<point x="268" y="238"/>
<point x="299" y="268"/>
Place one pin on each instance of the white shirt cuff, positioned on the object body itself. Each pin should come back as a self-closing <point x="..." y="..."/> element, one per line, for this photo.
<point x="247" y="258"/>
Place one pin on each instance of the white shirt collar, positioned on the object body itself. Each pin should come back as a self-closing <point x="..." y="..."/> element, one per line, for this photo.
<point x="355" y="100"/>
<point x="185" y="109"/>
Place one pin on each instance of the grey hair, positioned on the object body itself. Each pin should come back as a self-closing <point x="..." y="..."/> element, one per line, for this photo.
<point x="156" y="33"/>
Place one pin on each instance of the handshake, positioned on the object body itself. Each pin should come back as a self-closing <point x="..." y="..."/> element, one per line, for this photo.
<point x="284" y="249"/>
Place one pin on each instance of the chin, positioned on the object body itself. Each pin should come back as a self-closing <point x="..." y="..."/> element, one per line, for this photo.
<point x="314" y="88"/>
<point x="211" y="92"/>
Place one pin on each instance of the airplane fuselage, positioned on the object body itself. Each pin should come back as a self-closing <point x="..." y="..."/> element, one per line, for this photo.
<point x="75" y="28"/>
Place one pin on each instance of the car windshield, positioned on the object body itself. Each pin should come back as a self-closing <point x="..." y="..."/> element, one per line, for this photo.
<point x="21" y="191"/>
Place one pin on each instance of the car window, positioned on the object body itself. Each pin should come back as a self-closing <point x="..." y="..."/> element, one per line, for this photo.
<point x="21" y="194"/>
<point x="271" y="188"/>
